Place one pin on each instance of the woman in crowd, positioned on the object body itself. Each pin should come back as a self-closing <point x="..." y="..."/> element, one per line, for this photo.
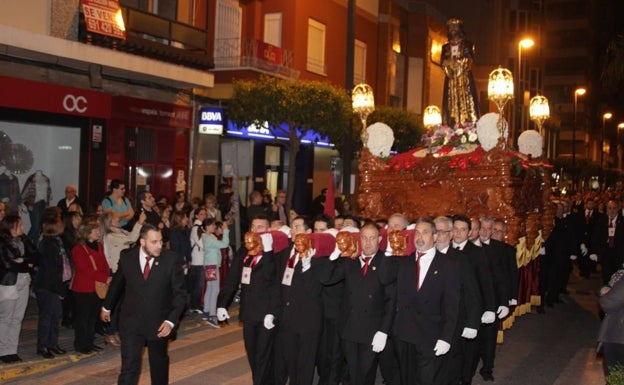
<point x="91" y="267"/>
<point x="196" y="271"/>
<point x="226" y="253"/>
<point x="17" y="257"/>
<point x="116" y="239"/>
<point x="53" y="274"/>
<point x="179" y="239"/>
<point x="71" y="220"/>
<point x="181" y="204"/>
<point x="212" y="263"/>
<point x="210" y="203"/>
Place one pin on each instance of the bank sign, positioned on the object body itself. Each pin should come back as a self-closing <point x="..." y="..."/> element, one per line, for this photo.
<point x="265" y="133"/>
<point x="211" y="121"/>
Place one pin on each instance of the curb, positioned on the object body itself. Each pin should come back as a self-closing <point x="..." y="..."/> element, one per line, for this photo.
<point x="16" y="371"/>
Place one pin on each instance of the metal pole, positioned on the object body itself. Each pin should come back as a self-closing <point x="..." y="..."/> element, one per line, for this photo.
<point x="348" y="137"/>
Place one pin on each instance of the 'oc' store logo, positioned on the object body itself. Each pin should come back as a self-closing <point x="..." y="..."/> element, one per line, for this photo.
<point x="73" y="103"/>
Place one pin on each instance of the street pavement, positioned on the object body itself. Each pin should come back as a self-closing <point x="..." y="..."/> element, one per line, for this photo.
<point x="555" y="348"/>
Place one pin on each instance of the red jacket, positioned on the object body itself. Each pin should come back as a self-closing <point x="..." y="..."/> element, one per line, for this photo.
<point x="85" y="275"/>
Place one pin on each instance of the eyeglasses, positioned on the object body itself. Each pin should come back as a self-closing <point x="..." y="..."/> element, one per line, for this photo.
<point x="443" y="231"/>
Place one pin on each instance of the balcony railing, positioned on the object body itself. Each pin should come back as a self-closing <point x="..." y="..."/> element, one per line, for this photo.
<point x="153" y="36"/>
<point x="249" y="52"/>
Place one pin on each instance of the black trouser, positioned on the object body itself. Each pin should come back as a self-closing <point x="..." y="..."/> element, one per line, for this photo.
<point x="417" y="363"/>
<point x="298" y="350"/>
<point x="487" y="345"/>
<point x="259" y="346"/>
<point x="361" y="361"/>
<point x="87" y="313"/>
<point x="330" y="361"/>
<point x="49" y="304"/>
<point x="132" y="357"/>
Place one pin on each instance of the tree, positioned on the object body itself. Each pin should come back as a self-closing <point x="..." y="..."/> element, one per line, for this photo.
<point x="290" y="108"/>
<point x="407" y="126"/>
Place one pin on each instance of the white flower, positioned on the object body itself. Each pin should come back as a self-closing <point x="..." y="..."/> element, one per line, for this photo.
<point x="488" y="132"/>
<point x="463" y="139"/>
<point x="459" y="131"/>
<point x="530" y="143"/>
<point x="472" y="137"/>
<point x="380" y="139"/>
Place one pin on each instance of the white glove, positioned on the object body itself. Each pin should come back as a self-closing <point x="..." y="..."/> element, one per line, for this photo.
<point x="267" y="242"/>
<point x="542" y="250"/>
<point x="513" y="302"/>
<point x="573" y="257"/>
<point x="379" y="341"/>
<point x="411" y="226"/>
<point x="332" y="231"/>
<point x="583" y="249"/>
<point x="335" y="254"/>
<point x="593" y="257"/>
<point x="222" y="314"/>
<point x="469" y="333"/>
<point x="268" y="321"/>
<point x="488" y="317"/>
<point x="502" y="311"/>
<point x="441" y="348"/>
<point x="286" y="230"/>
<point x="306" y="263"/>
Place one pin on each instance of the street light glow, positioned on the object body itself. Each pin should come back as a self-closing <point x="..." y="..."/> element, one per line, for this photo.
<point x="607" y="115"/>
<point x="526" y="43"/>
<point x="580" y="91"/>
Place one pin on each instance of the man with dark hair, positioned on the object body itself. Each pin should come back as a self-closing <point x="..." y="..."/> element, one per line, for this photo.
<point x="462" y="226"/>
<point x="255" y="272"/>
<point x="152" y="282"/>
<point x="117" y="203"/>
<point x="427" y="303"/>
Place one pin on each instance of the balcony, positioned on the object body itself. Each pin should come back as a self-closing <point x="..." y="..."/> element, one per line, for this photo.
<point x="156" y="37"/>
<point x="250" y="53"/>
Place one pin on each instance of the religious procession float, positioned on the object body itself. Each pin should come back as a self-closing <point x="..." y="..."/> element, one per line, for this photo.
<point x="463" y="165"/>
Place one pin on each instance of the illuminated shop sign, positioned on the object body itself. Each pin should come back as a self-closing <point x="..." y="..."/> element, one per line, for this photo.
<point x="266" y="133"/>
<point x="211" y="121"/>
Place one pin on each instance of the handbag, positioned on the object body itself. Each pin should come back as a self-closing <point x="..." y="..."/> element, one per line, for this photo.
<point x="210" y="272"/>
<point x="101" y="288"/>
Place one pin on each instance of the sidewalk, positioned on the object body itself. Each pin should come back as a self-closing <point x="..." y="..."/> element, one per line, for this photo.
<point x="34" y="364"/>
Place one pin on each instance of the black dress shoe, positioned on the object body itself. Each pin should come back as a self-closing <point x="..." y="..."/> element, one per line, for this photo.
<point x="15" y="358"/>
<point x="97" y="348"/>
<point x="45" y="353"/>
<point x="6" y="359"/>
<point x="57" y="350"/>
<point x="541" y="310"/>
<point x="487" y="376"/>
<point x="85" y="351"/>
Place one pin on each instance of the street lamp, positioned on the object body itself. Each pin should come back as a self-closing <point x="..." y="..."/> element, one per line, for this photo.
<point x="577" y="92"/>
<point x="539" y="111"/>
<point x="363" y="104"/>
<point x="431" y="117"/>
<point x="500" y="91"/>
<point x="524" y="43"/>
<point x="606" y="116"/>
<point x="620" y="127"/>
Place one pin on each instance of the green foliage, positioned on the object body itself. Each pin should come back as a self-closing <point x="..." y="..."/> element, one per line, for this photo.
<point x="407" y="126"/>
<point x="616" y="375"/>
<point x="302" y="105"/>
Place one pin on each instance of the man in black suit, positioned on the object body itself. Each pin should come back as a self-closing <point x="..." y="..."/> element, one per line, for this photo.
<point x="70" y="198"/>
<point x="588" y="222"/>
<point x="300" y="318"/>
<point x="428" y="293"/>
<point x="154" y="298"/>
<point x="330" y="362"/>
<point x="496" y="252"/>
<point x="470" y="305"/>
<point x="462" y="226"/>
<point x="367" y="308"/>
<point x="608" y="243"/>
<point x="254" y="270"/>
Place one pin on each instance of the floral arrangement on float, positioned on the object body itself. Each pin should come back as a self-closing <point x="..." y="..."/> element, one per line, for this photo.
<point x="466" y="145"/>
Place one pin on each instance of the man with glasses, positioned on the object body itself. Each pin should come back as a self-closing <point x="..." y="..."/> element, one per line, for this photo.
<point x="117" y="203"/>
<point x="470" y="305"/>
